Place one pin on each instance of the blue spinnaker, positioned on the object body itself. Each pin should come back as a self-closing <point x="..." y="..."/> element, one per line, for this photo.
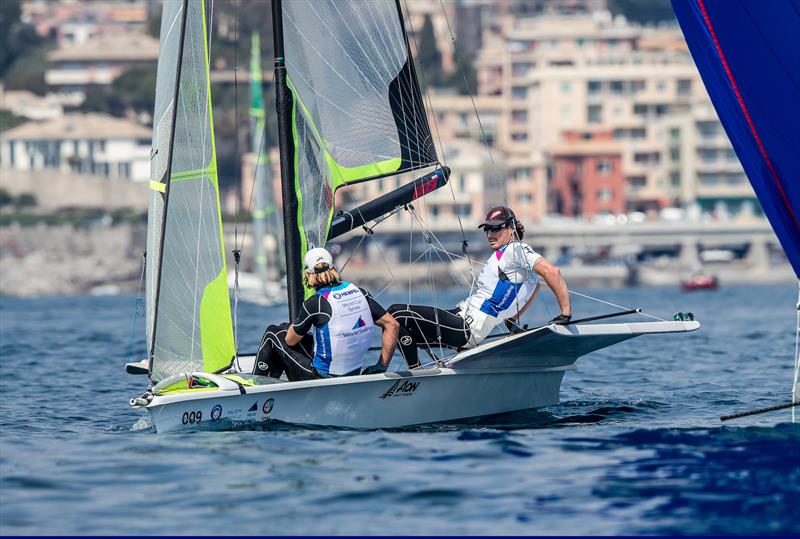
<point x="748" y="53"/>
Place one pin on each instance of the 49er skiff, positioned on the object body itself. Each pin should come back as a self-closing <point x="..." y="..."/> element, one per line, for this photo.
<point x="349" y="110"/>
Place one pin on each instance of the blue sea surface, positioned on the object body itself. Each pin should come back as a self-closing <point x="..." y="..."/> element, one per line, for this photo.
<point x="634" y="447"/>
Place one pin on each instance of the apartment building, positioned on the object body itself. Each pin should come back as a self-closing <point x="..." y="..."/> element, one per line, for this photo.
<point x="587" y="175"/>
<point x="91" y="144"/>
<point x="98" y="61"/>
<point x="562" y="73"/>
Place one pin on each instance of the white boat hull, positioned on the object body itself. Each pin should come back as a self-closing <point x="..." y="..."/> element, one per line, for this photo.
<point x="515" y="373"/>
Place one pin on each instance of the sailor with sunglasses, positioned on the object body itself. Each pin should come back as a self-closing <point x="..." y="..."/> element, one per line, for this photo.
<point x="506" y="286"/>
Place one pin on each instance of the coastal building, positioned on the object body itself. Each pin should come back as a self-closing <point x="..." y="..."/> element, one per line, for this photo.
<point x="78" y="21"/>
<point x="91" y="144"/>
<point x="76" y="67"/>
<point x="560" y="73"/>
<point x="587" y="175"/>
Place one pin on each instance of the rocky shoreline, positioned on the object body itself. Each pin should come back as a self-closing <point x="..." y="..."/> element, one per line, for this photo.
<point x="64" y="260"/>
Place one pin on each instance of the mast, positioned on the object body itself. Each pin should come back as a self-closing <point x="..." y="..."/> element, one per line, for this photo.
<point x="284" y="106"/>
<point x="167" y="182"/>
<point x="257" y="144"/>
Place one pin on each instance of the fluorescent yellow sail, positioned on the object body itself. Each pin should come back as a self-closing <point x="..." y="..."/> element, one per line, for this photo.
<point x="189" y="315"/>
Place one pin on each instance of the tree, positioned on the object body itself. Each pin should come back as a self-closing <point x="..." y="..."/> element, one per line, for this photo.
<point x="25" y="200"/>
<point x="643" y="11"/>
<point x="429" y="56"/>
<point x="464" y="70"/>
<point x="16" y="38"/>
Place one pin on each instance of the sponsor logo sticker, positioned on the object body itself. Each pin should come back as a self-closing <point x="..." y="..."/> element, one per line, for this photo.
<point x="401" y="388"/>
<point x="216" y="412"/>
<point x="267" y="407"/>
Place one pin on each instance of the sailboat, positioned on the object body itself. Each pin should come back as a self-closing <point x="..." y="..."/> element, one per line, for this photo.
<point x="747" y="55"/>
<point x="349" y="110"/>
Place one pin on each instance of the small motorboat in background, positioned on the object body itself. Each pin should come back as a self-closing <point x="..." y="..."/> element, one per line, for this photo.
<point x="700" y="281"/>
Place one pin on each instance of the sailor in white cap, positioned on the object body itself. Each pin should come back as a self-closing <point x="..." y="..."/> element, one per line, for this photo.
<point x="342" y="316"/>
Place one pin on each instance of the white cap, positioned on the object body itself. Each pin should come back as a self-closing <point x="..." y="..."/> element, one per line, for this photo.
<point x="315" y="256"/>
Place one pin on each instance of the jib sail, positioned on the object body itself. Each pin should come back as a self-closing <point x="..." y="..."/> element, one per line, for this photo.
<point x="188" y="308"/>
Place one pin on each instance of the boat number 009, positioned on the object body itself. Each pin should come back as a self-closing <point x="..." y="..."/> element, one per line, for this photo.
<point x="192" y="417"/>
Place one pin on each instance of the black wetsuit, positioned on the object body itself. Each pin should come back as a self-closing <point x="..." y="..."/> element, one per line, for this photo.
<point x="428" y="327"/>
<point x="276" y="357"/>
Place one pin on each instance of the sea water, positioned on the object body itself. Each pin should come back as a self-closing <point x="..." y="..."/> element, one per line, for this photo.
<point x="634" y="447"/>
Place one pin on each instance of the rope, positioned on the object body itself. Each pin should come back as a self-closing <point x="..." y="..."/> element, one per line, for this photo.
<point x="138" y="311"/>
<point x="613" y="304"/>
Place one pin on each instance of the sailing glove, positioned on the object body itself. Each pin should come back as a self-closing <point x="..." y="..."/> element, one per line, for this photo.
<point x="561" y="319"/>
<point x="514" y="327"/>
<point x="374" y="369"/>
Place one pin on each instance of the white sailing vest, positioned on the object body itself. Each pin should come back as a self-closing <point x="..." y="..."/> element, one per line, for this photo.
<point x="504" y="286"/>
<point x="340" y="345"/>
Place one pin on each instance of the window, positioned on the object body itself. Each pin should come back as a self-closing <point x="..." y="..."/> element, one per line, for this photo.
<point x="661" y="86"/>
<point x="637" y="86"/>
<point x="617" y="87"/>
<point x="594" y="114"/>
<point x="566" y="113"/>
<point x="675" y="179"/>
<point x="519" y="92"/>
<point x="605" y="194"/>
<point x="706" y="155"/>
<point x="641" y="110"/>
<point x="524" y="198"/>
<point x="684" y="86"/>
<point x="566" y="87"/>
<point x="520" y="69"/>
<point x="707" y="130"/>
<point x="675" y="155"/>
<point x="11" y="153"/>
<point x="519" y="116"/>
<point x="619" y="134"/>
<point x="462" y="210"/>
<point x="675" y="133"/>
<point x="124" y="170"/>
<point x="638" y="133"/>
<point x="593" y="87"/>
<point x="708" y="179"/>
<point x="101" y="144"/>
<point x="637" y="182"/>
<point x="519" y="137"/>
<point x="522" y="174"/>
<point x="605" y="166"/>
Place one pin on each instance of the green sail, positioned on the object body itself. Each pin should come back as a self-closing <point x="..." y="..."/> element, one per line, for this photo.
<point x="189" y="316"/>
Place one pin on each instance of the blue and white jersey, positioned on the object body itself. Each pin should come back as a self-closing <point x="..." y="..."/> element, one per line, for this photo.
<point x="504" y="286"/>
<point x="340" y="345"/>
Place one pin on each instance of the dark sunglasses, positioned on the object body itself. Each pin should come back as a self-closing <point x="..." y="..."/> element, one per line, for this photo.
<point x="494" y="228"/>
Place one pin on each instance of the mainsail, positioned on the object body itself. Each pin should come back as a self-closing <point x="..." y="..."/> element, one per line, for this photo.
<point x="349" y="108"/>
<point x="188" y="308"/>
<point x="749" y="57"/>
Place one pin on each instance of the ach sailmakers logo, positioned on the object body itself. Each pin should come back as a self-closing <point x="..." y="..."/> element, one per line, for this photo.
<point x="401" y="388"/>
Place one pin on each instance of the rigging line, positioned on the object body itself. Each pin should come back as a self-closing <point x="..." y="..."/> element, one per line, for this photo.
<point x="255" y="176"/>
<point x="236" y="116"/>
<point x="441" y="247"/>
<point x="612" y="304"/>
<point x="138" y="311"/>
<point x="466" y="83"/>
